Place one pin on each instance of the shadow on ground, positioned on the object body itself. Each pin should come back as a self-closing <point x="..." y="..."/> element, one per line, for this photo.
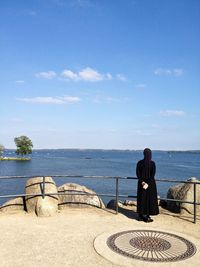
<point x="130" y="212"/>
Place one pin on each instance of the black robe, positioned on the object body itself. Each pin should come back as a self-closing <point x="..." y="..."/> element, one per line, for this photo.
<point x="147" y="203"/>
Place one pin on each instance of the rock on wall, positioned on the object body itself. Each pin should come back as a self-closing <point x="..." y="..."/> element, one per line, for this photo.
<point x="35" y="203"/>
<point x="184" y="192"/>
<point x="78" y="200"/>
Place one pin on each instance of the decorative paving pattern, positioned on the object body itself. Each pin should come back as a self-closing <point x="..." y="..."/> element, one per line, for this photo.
<point x="151" y="246"/>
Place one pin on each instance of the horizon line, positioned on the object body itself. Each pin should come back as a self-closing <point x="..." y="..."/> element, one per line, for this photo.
<point x="121" y="149"/>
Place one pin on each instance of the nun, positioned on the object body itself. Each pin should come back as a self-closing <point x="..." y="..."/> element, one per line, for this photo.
<point x="147" y="203"/>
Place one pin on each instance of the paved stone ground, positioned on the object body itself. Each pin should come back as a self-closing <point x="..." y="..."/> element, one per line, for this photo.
<point x="68" y="238"/>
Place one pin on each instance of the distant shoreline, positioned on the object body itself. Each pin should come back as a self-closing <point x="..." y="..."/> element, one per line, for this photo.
<point x="196" y="151"/>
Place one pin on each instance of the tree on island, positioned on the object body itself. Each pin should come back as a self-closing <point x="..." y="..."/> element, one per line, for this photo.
<point x="24" y="145"/>
<point x="2" y="148"/>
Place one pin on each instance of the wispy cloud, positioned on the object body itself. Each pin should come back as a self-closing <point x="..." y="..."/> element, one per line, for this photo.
<point x="103" y="99"/>
<point x="90" y="75"/>
<point x="51" y="100"/>
<point x="87" y="74"/>
<point x="112" y="99"/>
<point x="82" y="3"/>
<point x="109" y="99"/>
<point x="178" y="72"/>
<point x="46" y="74"/>
<point x="109" y="76"/>
<point x="70" y="75"/>
<point x="121" y="77"/>
<point x="20" y="81"/>
<point x="75" y="3"/>
<point x="16" y="120"/>
<point x="32" y="13"/>
<point x="169" y="113"/>
<point x="161" y="71"/>
<point x="168" y="72"/>
<point x="140" y="85"/>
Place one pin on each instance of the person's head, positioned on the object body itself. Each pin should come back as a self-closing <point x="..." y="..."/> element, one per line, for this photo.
<point x="147" y="154"/>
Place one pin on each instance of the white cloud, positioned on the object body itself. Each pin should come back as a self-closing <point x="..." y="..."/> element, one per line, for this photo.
<point x="90" y="75"/>
<point x="20" y="81"/>
<point x="17" y="120"/>
<point x="140" y="85"/>
<point x="32" y="13"/>
<point x="109" y="76"/>
<point x="70" y="75"/>
<point x="86" y="74"/>
<point x="109" y="99"/>
<point x="168" y="72"/>
<point x="121" y="77"/>
<point x="168" y="113"/>
<point x="81" y="3"/>
<point x="112" y="99"/>
<point x="51" y="100"/>
<point x="105" y="99"/>
<point x="161" y="71"/>
<point x="75" y="3"/>
<point x="46" y="74"/>
<point x="178" y="72"/>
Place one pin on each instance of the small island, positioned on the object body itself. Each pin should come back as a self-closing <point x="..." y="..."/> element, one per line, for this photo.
<point x="24" y="147"/>
<point x="14" y="158"/>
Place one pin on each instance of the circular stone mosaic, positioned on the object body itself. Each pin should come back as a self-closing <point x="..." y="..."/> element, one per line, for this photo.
<point x="150" y="245"/>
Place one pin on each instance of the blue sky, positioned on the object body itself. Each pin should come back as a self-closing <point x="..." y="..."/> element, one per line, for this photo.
<point x="118" y="74"/>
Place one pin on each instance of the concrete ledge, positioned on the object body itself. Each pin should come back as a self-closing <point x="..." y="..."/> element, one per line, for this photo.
<point x="67" y="239"/>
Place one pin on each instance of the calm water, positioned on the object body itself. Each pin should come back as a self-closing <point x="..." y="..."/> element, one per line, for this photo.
<point x="170" y="165"/>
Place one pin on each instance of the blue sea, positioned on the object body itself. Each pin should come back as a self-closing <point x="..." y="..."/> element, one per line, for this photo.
<point x="176" y="165"/>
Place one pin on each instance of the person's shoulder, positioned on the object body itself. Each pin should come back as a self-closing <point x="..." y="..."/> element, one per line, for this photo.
<point x="140" y="162"/>
<point x="153" y="162"/>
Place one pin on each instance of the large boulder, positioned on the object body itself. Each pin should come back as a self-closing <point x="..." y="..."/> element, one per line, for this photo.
<point x="48" y="205"/>
<point x="184" y="191"/>
<point x="112" y="204"/>
<point x="173" y="194"/>
<point x="16" y="204"/>
<point x="78" y="200"/>
<point x="44" y="207"/>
